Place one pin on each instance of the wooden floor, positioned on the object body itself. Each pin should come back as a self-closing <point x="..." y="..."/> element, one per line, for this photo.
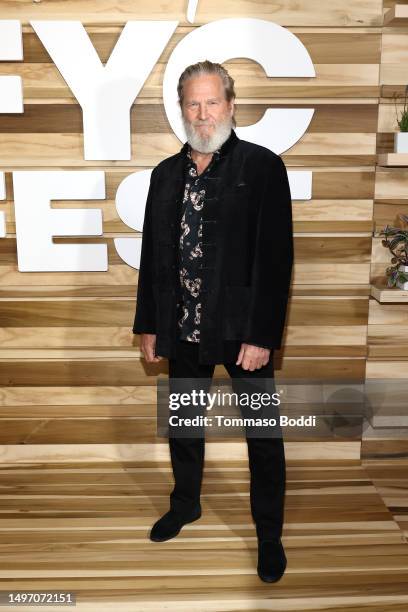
<point x="84" y="527"/>
<point x="390" y="477"/>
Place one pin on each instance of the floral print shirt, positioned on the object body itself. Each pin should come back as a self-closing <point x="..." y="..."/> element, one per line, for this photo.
<point x="190" y="248"/>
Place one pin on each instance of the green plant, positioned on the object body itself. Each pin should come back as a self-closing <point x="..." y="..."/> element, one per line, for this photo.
<point x="396" y="240"/>
<point x="403" y="120"/>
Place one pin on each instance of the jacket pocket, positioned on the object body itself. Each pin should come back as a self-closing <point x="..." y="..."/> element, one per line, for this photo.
<point x="236" y="304"/>
<point x="237" y="192"/>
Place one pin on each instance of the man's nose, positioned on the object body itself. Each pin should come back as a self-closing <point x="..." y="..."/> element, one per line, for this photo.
<point x="203" y="111"/>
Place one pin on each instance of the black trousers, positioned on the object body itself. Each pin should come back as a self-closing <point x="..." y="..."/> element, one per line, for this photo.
<point x="266" y="455"/>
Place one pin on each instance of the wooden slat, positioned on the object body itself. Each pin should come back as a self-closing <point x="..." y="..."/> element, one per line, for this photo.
<point x="391" y="483"/>
<point x="307" y="12"/>
<point x="20" y="150"/>
<point x="126" y="372"/>
<point x="45" y="81"/>
<point x="340" y="183"/>
<point x="233" y="451"/>
<point x="149" y="118"/>
<point x="69" y="291"/>
<point x="141" y="430"/>
<point x="388" y="314"/>
<point x="304" y="274"/>
<point x="324" y="45"/>
<point x="396" y="16"/>
<point x="394" y="45"/>
<point x="310" y="247"/>
<point x="384" y="294"/>
<point x="92" y="312"/>
<point x="387" y="369"/>
<point x="393" y="159"/>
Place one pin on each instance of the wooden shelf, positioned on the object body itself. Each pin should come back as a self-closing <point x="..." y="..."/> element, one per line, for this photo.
<point x="397" y="15"/>
<point x="399" y="160"/>
<point x="388" y="295"/>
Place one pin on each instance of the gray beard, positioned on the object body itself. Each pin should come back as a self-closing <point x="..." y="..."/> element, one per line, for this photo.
<point x="211" y="144"/>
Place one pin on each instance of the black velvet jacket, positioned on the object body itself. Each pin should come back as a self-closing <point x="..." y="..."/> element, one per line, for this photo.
<point x="248" y="253"/>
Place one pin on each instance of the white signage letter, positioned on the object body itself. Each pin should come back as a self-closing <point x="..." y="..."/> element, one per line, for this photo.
<point x="105" y="93"/>
<point x="130" y="204"/>
<point x="276" y="49"/>
<point x="11" y="48"/>
<point x="36" y="222"/>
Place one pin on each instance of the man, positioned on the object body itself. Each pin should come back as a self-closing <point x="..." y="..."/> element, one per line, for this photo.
<point x="213" y="287"/>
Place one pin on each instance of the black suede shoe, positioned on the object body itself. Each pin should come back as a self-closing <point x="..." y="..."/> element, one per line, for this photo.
<point x="271" y="560"/>
<point x="170" y="525"/>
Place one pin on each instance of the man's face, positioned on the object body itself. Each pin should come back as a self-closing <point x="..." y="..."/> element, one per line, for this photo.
<point x="207" y="116"/>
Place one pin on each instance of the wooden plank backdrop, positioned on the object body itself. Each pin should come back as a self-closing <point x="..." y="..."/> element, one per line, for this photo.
<point x="82" y="475"/>
<point x="67" y="352"/>
<point x="387" y="331"/>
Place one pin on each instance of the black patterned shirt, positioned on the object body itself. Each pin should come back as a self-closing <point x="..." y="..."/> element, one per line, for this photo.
<point x="190" y="248"/>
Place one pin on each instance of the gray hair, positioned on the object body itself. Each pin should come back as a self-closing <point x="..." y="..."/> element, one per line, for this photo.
<point x="207" y="67"/>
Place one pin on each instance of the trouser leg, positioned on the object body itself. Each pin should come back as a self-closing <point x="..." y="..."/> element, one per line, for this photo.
<point x="266" y="458"/>
<point x="187" y="453"/>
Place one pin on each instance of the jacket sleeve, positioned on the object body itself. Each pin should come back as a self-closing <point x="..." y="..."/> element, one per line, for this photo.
<point x="145" y="316"/>
<point x="259" y="345"/>
<point x="273" y="261"/>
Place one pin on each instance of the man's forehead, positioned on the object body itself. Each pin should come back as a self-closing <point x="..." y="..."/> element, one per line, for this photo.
<point x="212" y="81"/>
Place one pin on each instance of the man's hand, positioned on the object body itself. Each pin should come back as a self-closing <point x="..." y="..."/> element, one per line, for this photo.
<point x="147" y="346"/>
<point x="252" y="357"/>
